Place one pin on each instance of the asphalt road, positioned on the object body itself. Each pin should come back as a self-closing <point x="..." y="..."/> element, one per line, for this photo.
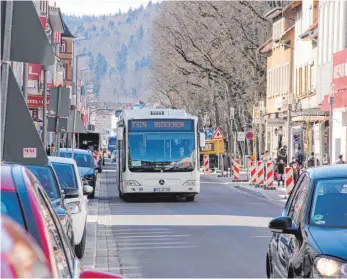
<point x="222" y="234"/>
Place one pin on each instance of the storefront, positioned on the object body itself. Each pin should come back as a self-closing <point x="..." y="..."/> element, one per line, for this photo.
<point x="339" y="94"/>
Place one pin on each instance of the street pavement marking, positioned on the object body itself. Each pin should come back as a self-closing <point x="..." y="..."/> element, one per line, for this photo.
<point x="220" y="183"/>
<point x="152" y="243"/>
<point x="135" y="229"/>
<point x="160" y="247"/>
<point x="261" y="236"/>
<point x="135" y="233"/>
<point x="108" y="170"/>
<point x="181" y="220"/>
<point x="152" y="236"/>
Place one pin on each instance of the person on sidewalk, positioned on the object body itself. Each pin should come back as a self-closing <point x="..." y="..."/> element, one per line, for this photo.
<point x="296" y="169"/>
<point x="280" y="172"/>
<point x="299" y="157"/>
<point x="340" y="160"/>
<point x="312" y="161"/>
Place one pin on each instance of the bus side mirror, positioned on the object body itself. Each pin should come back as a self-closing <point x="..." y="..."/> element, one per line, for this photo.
<point x="120" y="131"/>
<point x="202" y="140"/>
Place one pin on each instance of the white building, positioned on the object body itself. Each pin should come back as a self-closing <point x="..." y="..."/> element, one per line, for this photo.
<point x="332" y="38"/>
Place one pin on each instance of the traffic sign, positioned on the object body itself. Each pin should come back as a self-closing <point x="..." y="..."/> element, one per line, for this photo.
<point x="209" y="133"/>
<point x="218" y="134"/>
<point x="249" y="135"/>
<point x="241" y="136"/>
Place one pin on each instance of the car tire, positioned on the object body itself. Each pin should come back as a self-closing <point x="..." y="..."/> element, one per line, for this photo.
<point x="79" y="249"/>
<point x="190" y="198"/>
<point x="126" y="198"/>
<point x="100" y="170"/>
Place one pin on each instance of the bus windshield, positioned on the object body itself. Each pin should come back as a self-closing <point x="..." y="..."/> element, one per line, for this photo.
<point x="161" y="151"/>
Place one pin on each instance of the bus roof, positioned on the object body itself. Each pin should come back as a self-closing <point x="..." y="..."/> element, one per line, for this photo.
<point x="149" y="113"/>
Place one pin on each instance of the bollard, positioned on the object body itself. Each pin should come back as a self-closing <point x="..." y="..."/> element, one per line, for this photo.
<point x="236" y="169"/>
<point x="289" y="180"/>
<point x="260" y="174"/>
<point x="253" y="171"/>
<point x="206" y="164"/>
<point x="270" y="175"/>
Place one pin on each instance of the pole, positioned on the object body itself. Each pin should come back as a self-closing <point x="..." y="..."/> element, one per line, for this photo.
<point x="73" y="132"/>
<point x="261" y="133"/>
<point x="57" y="134"/>
<point x="25" y="81"/>
<point x="331" y="124"/>
<point x="44" y="117"/>
<point x="289" y="134"/>
<point x="76" y="73"/>
<point x="218" y="153"/>
<point x="6" y="70"/>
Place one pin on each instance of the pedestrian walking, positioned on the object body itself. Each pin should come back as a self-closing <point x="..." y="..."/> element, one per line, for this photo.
<point x="48" y="150"/>
<point x="280" y="172"/>
<point x="340" y="160"/>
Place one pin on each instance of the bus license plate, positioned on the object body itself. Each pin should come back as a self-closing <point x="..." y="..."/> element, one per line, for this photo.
<point x="161" y="189"/>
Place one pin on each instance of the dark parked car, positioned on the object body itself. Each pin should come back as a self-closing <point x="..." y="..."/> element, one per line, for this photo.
<point x="85" y="162"/>
<point x="310" y="238"/>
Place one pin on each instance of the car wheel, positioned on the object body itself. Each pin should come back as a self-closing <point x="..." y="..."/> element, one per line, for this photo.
<point x="190" y="198"/>
<point x="79" y="249"/>
<point x="100" y="170"/>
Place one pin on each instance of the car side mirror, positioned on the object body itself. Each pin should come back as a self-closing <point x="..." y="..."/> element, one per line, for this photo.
<point x="283" y="224"/>
<point x="91" y="273"/>
<point x="87" y="190"/>
<point x="71" y="193"/>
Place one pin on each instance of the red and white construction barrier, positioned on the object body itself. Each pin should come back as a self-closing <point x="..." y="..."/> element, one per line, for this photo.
<point x="289" y="180"/>
<point x="270" y="175"/>
<point x="236" y="169"/>
<point x="253" y="172"/>
<point x="260" y="174"/>
<point x="206" y="164"/>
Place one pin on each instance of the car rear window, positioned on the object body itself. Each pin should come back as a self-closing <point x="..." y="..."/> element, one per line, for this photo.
<point x="82" y="160"/>
<point x="10" y="206"/>
<point x="66" y="175"/>
<point x="46" y="178"/>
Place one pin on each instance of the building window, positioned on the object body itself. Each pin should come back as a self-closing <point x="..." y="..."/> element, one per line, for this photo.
<point x="63" y="46"/>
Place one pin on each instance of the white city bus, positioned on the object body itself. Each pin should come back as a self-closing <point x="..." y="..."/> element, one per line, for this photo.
<point x="158" y="153"/>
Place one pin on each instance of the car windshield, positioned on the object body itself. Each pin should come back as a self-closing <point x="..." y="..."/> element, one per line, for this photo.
<point x="166" y="151"/>
<point x="10" y="206"/>
<point x="46" y="178"/>
<point x="329" y="208"/>
<point x="66" y="175"/>
<point x="82" y="160"/>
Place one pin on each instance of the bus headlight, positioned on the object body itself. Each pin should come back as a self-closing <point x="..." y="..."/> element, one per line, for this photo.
<point x="189" y="183"/>
<point x="131" y="183"/>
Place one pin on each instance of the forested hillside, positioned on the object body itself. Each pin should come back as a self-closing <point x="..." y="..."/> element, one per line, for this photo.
<point x="118" y="47"/>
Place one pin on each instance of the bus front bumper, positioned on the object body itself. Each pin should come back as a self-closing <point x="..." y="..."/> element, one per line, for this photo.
<point x="162" y="190"/>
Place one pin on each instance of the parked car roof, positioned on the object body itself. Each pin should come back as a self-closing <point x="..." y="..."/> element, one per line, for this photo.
<point x="65" y="160"/>
<point x="334" y="171"/>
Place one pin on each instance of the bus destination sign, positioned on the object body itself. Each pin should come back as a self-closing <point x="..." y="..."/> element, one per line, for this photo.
<point x="161" y="125"/>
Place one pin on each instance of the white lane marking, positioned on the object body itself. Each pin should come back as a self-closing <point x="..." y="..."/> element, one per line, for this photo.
<point x="160" y="247"/>
<point x="261" y="236"/>
<point x="135" y="233"/>
<point x="180" y="220"/>
<point x="152" y="243"/>
<point x="152" y="236"/>
<point x="219" y="183"/>
<point x="135" y="229"/>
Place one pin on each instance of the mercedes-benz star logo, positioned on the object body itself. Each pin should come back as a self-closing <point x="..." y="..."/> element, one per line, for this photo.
<point x="161" y="182"/>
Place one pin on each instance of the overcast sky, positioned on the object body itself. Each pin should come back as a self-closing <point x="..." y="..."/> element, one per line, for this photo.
<point x="97" y="7"/>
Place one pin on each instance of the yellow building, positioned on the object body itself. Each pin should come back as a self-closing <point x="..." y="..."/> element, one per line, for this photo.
<point x="279" y="51"/>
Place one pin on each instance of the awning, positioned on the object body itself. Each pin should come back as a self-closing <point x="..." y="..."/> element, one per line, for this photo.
<point x="56" y="20"/>
<point x="312" y="118"/>
<point x="29" y="42"/>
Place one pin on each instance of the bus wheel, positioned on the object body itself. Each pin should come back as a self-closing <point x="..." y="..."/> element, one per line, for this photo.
<point x="190" y="198"/>
<point x="121" y="196"/>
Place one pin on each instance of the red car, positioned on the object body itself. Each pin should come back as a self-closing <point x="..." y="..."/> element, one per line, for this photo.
<point x="25" y="201"/>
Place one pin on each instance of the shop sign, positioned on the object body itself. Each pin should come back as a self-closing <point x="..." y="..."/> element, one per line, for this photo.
<point x="275" y="122"/>
<point x="340" y="70"/>
<point x="36" y="101"/>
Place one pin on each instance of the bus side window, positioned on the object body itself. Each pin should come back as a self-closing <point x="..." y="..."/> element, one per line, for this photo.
<point x="124" y="152"/>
